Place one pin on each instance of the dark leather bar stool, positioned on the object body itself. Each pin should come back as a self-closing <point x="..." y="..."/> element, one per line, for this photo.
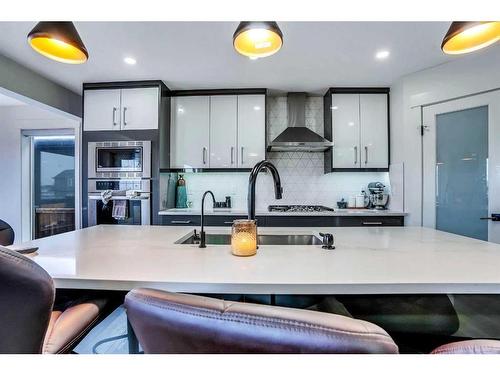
<point x="470" y="347"/>
<point x="178" y="323"/>
<point x="6" y="234"/>
<point x="29" y="325"/>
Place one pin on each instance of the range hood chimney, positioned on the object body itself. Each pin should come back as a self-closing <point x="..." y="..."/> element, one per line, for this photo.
<point x="297" y="137"/>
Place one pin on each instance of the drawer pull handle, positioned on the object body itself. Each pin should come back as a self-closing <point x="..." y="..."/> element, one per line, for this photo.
<point x="180" y="222"/>
<point x="228" y="222"/>
<point x="372" y="223"/>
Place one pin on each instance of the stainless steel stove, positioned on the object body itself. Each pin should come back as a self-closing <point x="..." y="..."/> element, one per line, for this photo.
<point x="298" y="208"/>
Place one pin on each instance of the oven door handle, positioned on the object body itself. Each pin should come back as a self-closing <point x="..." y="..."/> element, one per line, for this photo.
<point x="119" y="197"/>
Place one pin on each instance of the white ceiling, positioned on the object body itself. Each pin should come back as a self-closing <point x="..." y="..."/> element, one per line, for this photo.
<point x="8" y="101"/>
<point x="187" y="55"/>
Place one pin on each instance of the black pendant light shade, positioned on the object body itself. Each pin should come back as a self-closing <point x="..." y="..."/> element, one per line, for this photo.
<point x="469" y="36"/>
<point x="58" y="41"/>
<point x="256" y="39"/>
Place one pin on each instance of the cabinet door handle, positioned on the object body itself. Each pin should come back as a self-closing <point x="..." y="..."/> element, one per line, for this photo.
<point x="114" y="116"/>
<point x="232" y="155"/>
<point x="204" y="155"/>
<point x="242" y="162"/>
<point x="366" y="154"/>
<point x="180" y="222"/>
<point x="228" y="222"/>
<point x="355" y="154"/>
<point x="124" y="119"/>
<point x="372" y="223"/>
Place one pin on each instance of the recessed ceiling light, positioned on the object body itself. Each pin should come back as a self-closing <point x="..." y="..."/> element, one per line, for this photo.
<point x="381" y="55"/>
<point x="130" y="60"/>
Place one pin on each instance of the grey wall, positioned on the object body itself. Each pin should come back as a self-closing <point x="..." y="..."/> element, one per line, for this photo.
<point x="15" y="77"/>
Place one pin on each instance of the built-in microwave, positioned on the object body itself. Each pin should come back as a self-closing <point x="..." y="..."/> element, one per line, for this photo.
<point x="119" y="159"/>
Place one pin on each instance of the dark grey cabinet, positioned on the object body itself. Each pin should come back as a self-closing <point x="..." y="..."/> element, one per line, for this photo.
<point x="289" y="221"/>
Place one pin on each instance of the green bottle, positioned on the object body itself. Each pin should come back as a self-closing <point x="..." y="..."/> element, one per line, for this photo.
<point x="181" y="201"/>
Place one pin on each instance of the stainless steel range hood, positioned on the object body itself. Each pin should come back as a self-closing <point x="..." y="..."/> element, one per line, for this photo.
<point x="297" y="137"/>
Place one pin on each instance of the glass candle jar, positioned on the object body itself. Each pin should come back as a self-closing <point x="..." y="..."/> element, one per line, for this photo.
<point x="244" y="238"/>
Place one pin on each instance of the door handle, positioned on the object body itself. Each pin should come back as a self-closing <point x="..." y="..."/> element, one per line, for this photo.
<point x="114" y="116"/>
<point x="180" y="222"/>
<point x="232" y="155"/>
<point x="204" y="155"/>
<point x="493" y="217"/>
<point x="355" y="154"/>
<point x="124" y="119"/>
<point x="366" y="154"/>
<point x="242" y="162"/>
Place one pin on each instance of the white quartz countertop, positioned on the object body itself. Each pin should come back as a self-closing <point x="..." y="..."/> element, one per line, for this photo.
<point x="238" y="212"/>
<point x="366" y="260"/>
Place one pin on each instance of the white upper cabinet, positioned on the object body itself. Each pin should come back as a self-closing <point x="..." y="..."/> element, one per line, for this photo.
<point x="121" y="109"/>
<point x="251" y="130"/>
<point x="101" y="110"/>
<point x="374" y="131"/>
<point x="345" y="130"/>
<point x="190" y="132"/>
<point x="219" y="131"/>
<point x="360" y="130"/>
<point x="140" y="108"/>
<point x="223" y="131"/>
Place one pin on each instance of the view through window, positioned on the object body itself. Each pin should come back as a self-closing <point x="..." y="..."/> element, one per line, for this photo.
<point x="53" y="194"/>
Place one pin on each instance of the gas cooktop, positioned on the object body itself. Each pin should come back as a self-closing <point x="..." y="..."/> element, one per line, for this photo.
<point x="297" y="208"/>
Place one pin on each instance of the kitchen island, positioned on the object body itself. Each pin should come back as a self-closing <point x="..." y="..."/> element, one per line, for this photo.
<point x="378" y="260"/>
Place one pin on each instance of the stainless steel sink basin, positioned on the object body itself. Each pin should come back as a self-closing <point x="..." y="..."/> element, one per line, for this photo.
<point x="262" y="239"/>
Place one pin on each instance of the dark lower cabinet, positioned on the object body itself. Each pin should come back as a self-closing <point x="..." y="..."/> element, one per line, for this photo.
<point x="289" y="221"/>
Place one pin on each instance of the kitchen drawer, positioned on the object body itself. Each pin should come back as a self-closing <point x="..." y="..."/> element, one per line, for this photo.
<point x="186" y="220"/>
<point x="300" y="221"/>
<point x="210" y="220"/>
<point x="333" y="221"/>
<point x="371" y="221"/>
<point x="221" y="221"/>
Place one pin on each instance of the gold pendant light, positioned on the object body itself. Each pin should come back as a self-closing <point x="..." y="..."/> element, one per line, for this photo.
<point x="257" y="39"/>
<point x="58" y="41"/>
<point x="464" y="37"/>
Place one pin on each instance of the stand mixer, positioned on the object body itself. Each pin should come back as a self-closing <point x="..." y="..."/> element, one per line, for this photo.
<point x="377" y="197"/>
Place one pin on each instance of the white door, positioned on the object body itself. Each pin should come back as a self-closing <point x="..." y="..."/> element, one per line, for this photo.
<point x="345" y="129"/>
<point x="101" y="110"/>
<point x="374" y="131"/>
<point x="461" y="150"/>
<point x="189" y="141"/>
<point x="251" y="130"/>
<point x="223" y="125"/>
<point x="139" y="108"/>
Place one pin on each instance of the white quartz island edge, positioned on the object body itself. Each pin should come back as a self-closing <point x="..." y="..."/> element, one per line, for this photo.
<point x="366" y="261"/>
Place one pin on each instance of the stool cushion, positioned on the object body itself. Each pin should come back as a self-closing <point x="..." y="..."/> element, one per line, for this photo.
<point x="68" y="326"/>
<point x="470" y="347"/>
<point x="178" y="323"/>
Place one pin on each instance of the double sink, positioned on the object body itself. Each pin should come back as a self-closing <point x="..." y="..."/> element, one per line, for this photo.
<point x="262" y="239"/>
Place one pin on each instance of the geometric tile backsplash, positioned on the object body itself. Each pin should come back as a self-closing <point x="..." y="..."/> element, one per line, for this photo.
<point x="302" y="173"/>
